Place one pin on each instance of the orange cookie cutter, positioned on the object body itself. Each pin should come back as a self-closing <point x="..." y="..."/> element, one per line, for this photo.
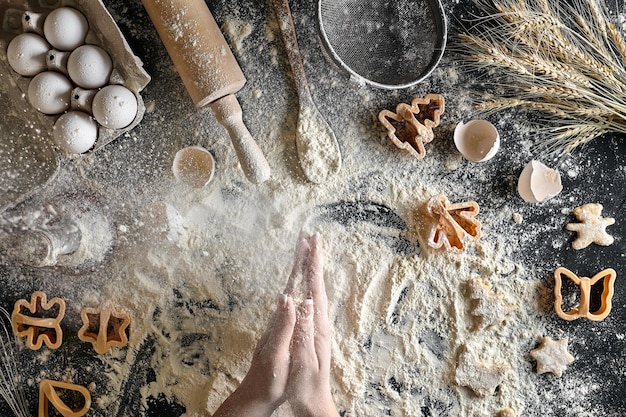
<point x="104" y="327"/>
<point x="454" y="223"/>
<point x="38" y="330"/>
<point x="608" y="279"/>
<point x="415" y="123"/>
<point x="48" y="395"/>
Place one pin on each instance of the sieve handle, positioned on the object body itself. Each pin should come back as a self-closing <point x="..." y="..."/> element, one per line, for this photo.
<point x="288" y="31"/>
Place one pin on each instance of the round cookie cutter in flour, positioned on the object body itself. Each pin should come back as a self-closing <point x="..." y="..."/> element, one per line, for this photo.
<point x="387" y="44"/>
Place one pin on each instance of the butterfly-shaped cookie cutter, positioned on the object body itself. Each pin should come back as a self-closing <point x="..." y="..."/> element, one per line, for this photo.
<point x="607" y="277"/>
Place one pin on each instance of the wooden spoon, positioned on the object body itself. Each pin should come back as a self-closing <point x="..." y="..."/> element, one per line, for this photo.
<point x="318" y="150"/>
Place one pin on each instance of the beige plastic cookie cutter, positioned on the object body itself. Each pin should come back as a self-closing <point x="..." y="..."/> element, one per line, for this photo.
<point x="411" y="126"/>
<point x="585" y="284"/>
<point x="49" y="394"/>
<point x="104" y="327"/>
<point x="454" y="223"/>
<point x="39" y="330"/>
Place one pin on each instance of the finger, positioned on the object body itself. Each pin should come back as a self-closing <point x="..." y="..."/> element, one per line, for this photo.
<point x="277" y="336"/>
<point x="282" y="328"/>
<point x="315" y="277"/>
<point x="318" y="292"/>
<point x="301" y="255"/>
<point x="303" y="354"/>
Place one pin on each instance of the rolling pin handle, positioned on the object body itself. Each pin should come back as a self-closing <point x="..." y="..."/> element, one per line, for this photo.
<point x="228" y="113"/>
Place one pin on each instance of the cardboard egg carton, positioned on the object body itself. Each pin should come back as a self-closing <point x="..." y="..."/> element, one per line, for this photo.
<point x="40" y="152"/>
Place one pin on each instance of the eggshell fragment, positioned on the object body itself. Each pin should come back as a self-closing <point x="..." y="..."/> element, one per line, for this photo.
<point x="75" y="132"/>
<point x="193" y="166"/>
<point x="538" y="183"/>
<point x="477" y="140"/>
<point x="65" y="28"/>
<point x="114" y="107"/>
<point x="27" y="54"/>
<point x="50" y="92"/>
<point x="89" y="66"/>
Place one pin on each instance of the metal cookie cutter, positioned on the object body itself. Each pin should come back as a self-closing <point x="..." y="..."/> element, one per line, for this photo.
<point x="608" y="280"/>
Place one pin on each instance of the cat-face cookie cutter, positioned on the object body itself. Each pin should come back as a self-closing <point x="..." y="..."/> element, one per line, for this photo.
<point x="454" y="223"/>
<point x="607" y="277"/>
<point x="38" y="330"/>
<point x="104" y="327"/>
<point x="48" y="394"/>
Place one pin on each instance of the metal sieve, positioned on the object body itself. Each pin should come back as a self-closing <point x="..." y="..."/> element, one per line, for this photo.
<point x="386" y="43"/>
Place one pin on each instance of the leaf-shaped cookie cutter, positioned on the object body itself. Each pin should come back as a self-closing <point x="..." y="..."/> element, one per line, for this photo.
<point x="454" y="223"/>
<point x="608" y="280"/>
<point x="38" y="330"/>
<point x="417" y="130"/>
<point x="104" y="327"/>
<point x="48" y="395"/>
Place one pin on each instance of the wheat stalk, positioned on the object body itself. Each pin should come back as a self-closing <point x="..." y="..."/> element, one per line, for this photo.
<point x="564" y="60"/>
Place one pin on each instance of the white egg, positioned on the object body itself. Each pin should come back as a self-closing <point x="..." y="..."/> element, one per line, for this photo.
<point x="89" y="66"/>
<point x="114" y="107"/>
<point x="75" y="132"/>
<point x="477" y="140"/>
<point x="50" y="92"/>
<point x="538" y="183"/>
<point x="193" y="166"/>
<point x="65" y="28"/>
<point x="27" y="54"/>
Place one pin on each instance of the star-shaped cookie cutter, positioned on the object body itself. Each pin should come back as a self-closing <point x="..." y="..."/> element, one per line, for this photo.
<point x="411" y="126"/>
<point x="48" y="394"/>
<point x="104" y="327"/>
<point x="608" y="280"/>
<point x="454" y="223"/>
<point x="592" y="226"/>
<point x="38" y="330"/>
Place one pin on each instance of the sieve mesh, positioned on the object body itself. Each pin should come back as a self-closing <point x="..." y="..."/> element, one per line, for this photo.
<point x="388" y="43"/>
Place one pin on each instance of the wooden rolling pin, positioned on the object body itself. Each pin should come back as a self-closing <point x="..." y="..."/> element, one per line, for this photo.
<point x="209" y="71"/>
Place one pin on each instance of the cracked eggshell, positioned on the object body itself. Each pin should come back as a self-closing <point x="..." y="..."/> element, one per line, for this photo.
<point x="193" y="166"/>
<point x="538" y="183"/>
<point x="477" y="140"/>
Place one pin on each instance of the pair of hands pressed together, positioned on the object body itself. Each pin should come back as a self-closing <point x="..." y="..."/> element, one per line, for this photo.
<point x="292" y="359"/>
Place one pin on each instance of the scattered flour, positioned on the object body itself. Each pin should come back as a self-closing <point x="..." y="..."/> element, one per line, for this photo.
<point x="200" y="269"/>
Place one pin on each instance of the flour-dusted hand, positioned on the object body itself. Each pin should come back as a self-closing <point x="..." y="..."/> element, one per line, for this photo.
<point x="292" y="358"/>
<point x="308" y="390"/>
<point x="264" y="387"/>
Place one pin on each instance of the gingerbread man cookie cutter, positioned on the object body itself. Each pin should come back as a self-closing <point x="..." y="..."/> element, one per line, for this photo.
<point x="38" y="330"/>
<point x="414" y="123"/>
<point x="104" y="327"/>
<point x="607" y="277"/>
<point x="48" y="394"/>
<point x="454" y="223"/>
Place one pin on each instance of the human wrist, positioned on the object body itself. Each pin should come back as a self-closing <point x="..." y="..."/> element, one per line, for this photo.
<point x="244" y="402"/>
<point x="317" y="407"/>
